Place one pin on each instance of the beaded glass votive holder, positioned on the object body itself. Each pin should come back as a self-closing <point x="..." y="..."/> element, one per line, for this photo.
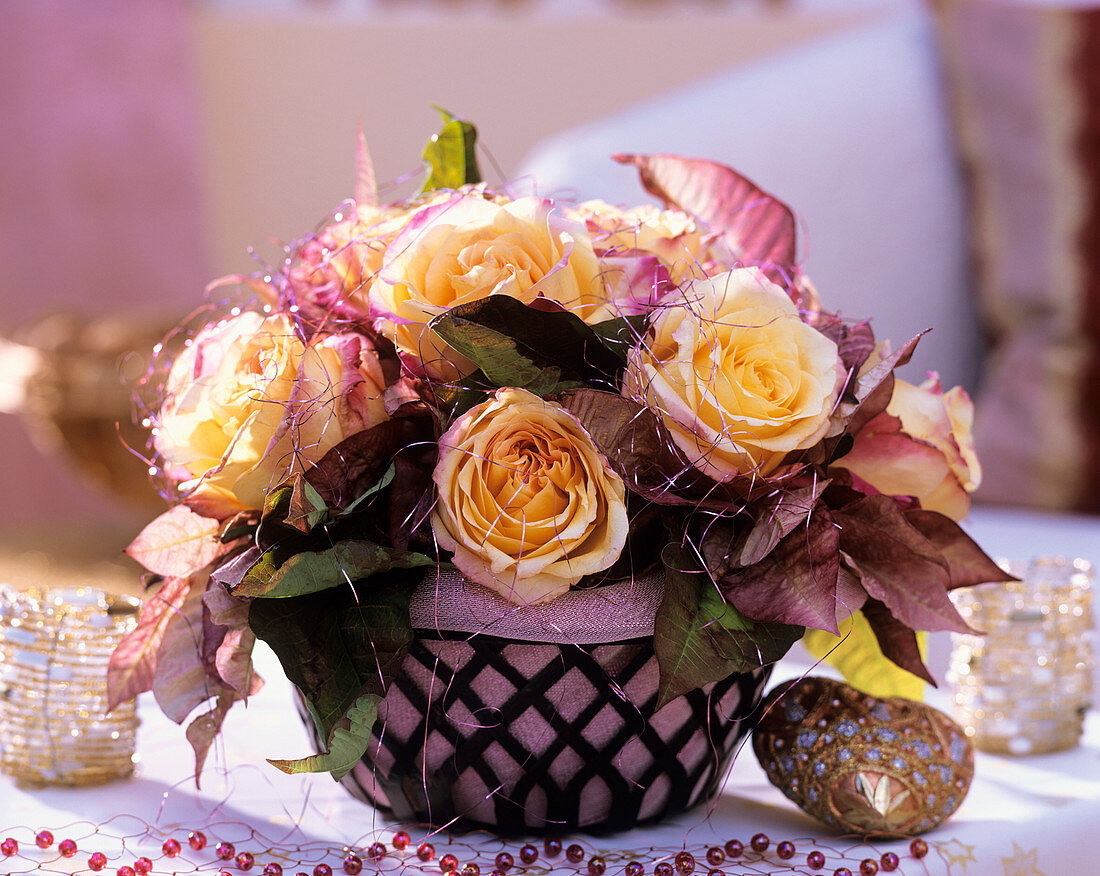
<point x="54" y="648"/>
<point x="1025" y="686"/>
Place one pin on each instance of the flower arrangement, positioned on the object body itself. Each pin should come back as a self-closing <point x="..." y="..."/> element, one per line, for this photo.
<point x="547" y="397"/>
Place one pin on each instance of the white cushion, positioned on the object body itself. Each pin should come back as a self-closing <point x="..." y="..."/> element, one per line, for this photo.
<point x="852" y="133"/>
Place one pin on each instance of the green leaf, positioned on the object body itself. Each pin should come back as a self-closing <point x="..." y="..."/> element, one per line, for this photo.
<point x="622" y="334"/>
<point x="343" y="563"/>
<point x="542" y="351"/>
<point x="311" y="571"/>
<point x="337" y="645"/>
<point x="383" y="482"/>
<point x="700" y="638"/>
<point x="347" y="745"/>
<point x="450" y="155"/>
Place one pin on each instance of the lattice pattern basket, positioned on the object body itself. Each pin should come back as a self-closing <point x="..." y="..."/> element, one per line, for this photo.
<point x="542" y="719"/>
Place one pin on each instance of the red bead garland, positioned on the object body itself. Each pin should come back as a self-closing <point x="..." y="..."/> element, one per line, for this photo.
<point x="684" y="862"/>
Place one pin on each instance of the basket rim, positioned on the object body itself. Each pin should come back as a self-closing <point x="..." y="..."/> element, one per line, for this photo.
<point x="446" y="602"/>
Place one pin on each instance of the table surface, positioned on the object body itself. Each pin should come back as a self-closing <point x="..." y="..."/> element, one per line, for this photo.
<point x="1023" y="816"/>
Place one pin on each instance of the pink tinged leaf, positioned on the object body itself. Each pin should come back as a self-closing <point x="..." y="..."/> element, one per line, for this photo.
<point x="897" y="565"/>
<point x="181" y="682"/>
<point x="366" y="184"/>
<point x="232" y="572"/>
<point x="204" y="729"/>
<point x="177" y="543"/>
<point x="758" y="227"/>
<point x="225" y="610"/>
<point x="133" y="664"/>
<point x="796" y="583"/>
<point x="234" y="662"/>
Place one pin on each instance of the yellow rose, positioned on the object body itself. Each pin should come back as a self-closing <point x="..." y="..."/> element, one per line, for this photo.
<point x="469" y="248"/>
<point x="673" y="236"/>
<point x="738" y="379"/>
<point x="931" y="458"/>
<point x="249" y="402"/>
<point x="526" y="502"/>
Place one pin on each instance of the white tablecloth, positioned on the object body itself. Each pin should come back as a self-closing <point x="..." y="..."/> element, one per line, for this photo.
<point x="1023" y="816"/>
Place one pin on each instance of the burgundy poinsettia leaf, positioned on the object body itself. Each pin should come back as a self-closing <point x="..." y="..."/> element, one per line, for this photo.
<point x="897" y="565"/>
<point x="868" y="395"/>
<point x="775" y="517"/>
<point x="897" y="641"/>
<point x="854" y="342"/>
<point x="133" y="663"/>
<point x="967" y="563"/>
<point x="797" y="582"/>
<point x="630" y="436"/>
<point x="202" y="731"/>
<point x="411" y="498"/>
<point x="850" y="595"/>
<point x="177" y="543"/>
<point x="356" y="463"/>
<point x="758" y="227"/>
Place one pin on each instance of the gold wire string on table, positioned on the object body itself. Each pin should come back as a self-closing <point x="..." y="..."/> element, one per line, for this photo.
<point x="1025" y="686"/>
<point x="54" y="648"/>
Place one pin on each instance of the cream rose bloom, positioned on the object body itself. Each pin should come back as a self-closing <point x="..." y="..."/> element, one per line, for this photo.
<point x="675" y="237"/>
<point x="249" y="402"/>
<point x="526" y="502"/>
<point x="335" y="269"/>
<point x="738" y="378"/>
<point x="931" y="459"/>
<point x="469" y="248"/>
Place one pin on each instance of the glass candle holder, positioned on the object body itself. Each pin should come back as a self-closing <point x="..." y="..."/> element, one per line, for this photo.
<point x="1025" y="686"/>
<point x="54" y="648"/>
